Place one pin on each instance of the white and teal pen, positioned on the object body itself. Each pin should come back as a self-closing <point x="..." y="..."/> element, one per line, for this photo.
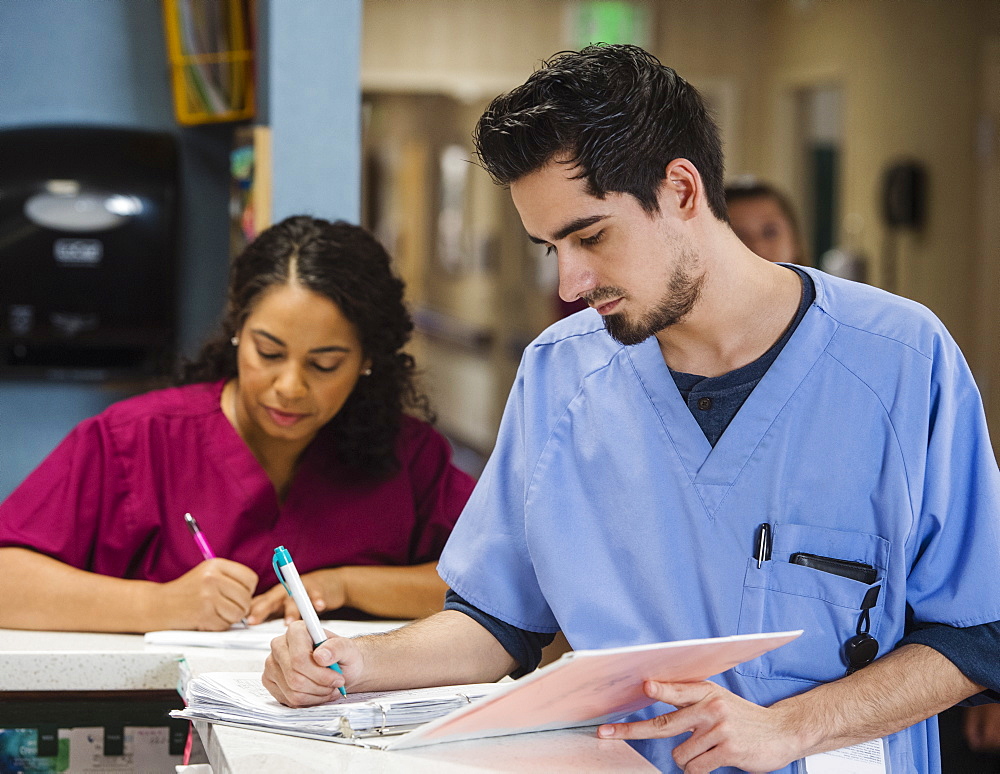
<point x="284" y="568"/>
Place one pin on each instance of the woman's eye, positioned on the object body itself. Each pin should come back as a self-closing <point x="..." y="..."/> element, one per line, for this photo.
<point x="269" y="355"/>
<point x="324" y="368"/>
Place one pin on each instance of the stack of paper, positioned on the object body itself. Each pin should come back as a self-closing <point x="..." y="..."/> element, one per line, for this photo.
<point x="239" y="698"/>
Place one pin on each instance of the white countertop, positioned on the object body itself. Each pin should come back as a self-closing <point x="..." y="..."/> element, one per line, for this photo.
<point x="80" y="661"/>
<point x="240" y="751"/>
<point x="84" y="661"/>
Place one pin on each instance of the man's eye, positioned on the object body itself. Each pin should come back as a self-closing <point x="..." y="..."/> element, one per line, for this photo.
<point x="593" y="240"/>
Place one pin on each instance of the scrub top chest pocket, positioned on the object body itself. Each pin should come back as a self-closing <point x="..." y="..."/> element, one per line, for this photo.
<point x="818" y="580"/>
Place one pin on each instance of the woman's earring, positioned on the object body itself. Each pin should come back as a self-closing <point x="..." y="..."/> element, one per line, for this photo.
<point x="367" y="372"/>
<point x="235" y="341"/>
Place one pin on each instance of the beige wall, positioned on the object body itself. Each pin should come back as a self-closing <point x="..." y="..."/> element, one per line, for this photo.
<point x="986" y="355"/>
<point x="475" y="49"/>
<point x="465" y="48"/>
<point x="915" y="82"/>
<point x="908" y="73"/>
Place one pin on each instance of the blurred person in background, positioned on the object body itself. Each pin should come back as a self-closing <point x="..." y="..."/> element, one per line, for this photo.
<point x="765" y="221"/>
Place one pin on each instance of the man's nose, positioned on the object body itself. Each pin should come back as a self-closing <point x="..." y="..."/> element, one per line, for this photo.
<point x="575" y="276"/>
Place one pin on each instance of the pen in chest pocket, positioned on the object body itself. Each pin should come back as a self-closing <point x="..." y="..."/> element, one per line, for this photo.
<point x="762" y="551"/>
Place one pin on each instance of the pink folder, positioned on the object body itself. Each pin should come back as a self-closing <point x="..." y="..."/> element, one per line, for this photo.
<point x="589" y="687"/>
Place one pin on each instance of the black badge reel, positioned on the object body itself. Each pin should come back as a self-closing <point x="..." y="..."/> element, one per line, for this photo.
<point x="861" y="649"/>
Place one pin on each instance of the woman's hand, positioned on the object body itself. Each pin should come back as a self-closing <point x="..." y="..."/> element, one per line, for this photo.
<point x="210" y="597"/>
<point x="324" y="587"/>
<point x="982" y="727"/>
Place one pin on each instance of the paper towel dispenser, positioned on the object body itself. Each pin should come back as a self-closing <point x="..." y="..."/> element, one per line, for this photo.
<point x="88" y="263"/>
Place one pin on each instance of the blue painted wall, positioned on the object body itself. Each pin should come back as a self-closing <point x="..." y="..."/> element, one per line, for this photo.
<point x="310" y="53"/>
<point x="104" y="63"/>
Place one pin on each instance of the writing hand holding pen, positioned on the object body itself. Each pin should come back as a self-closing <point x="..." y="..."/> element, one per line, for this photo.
<point x="300" y="674"/>
<point x="212" y="596"/>
<point x="287" y="573"/>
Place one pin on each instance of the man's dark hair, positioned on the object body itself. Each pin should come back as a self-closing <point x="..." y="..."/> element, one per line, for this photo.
<point x="347" y="265"/>
<point x="616" y="112"/>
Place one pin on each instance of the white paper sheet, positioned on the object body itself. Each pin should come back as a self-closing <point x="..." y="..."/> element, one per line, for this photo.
<point x="259" y="637"/>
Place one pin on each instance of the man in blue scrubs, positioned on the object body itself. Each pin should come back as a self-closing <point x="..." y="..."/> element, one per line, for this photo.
<point x="720" y="445"/>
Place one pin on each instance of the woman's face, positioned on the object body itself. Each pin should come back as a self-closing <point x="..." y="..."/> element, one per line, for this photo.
<point x="762" y="225"/>
<point x="298" y="360"/>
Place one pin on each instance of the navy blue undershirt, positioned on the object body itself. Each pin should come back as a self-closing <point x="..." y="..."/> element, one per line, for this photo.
<point x="714" y="401"/>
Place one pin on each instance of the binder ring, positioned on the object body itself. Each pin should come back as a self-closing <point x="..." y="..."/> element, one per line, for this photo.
<point x="385" y="721"/>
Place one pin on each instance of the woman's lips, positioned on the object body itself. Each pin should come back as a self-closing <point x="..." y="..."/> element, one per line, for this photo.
<point x="283" y="418"/>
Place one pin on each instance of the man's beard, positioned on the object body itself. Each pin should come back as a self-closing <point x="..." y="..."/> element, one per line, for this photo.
<point x="681" y="296"/>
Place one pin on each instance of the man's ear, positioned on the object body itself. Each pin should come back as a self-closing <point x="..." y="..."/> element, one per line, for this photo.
<point x="680" y="191"/>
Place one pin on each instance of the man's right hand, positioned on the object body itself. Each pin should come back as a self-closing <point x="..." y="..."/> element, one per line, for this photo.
<point x="299" y="676"/>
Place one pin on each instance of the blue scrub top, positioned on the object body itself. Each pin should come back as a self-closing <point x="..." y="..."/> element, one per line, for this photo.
<point x="605" y="512"/>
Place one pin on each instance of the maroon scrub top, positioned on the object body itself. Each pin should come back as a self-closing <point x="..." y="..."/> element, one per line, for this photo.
<point x="111" y="497"/>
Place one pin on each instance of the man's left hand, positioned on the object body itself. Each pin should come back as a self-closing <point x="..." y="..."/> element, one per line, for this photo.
<point x="725" y="729"/>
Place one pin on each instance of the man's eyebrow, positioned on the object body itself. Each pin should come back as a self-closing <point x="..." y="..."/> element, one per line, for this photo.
<point x="569" y="228"/>
<point x="280" y="343"/>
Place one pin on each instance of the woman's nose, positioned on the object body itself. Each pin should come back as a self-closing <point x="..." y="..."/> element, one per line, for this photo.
<point x="291" y="383"/>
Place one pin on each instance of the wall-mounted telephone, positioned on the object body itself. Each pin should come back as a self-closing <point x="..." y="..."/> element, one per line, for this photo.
<point x="904" y="194"/>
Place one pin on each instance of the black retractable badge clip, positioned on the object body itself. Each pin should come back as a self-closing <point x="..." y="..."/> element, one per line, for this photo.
<point x="861" y="649"/>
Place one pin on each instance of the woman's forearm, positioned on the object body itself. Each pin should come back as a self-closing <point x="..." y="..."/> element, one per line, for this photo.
<point x="393" y="592"/>
<point x="40" y="592"/>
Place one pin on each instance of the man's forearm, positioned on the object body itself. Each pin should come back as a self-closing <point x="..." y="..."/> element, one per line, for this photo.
<point x="449" y="648"/>
<point x="894" y="692"/>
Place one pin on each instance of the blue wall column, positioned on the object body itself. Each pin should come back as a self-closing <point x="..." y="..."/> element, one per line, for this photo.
<point x="310" y="96"/>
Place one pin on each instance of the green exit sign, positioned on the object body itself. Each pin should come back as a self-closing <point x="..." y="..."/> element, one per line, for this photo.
<point x="608" y="21"/>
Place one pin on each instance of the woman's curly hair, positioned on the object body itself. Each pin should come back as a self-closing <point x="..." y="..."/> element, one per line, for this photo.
<point x="347" y="265"/>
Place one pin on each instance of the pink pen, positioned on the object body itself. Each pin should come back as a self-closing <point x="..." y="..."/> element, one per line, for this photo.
<point x="199" y="538"/>
<point x="203" y="546"/>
